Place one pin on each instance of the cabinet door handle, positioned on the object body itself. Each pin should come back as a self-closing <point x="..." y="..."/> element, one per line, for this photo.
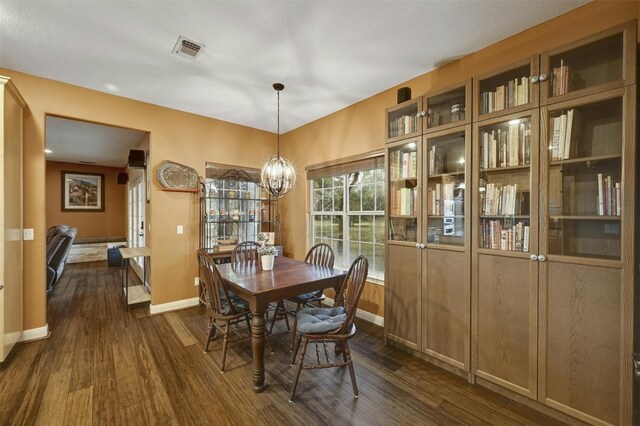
<point x="542" y="258"/>
<point x="534" y="257"/>
<point x="534" y="79"/>
<point x="1" y="286"/>
<point x="417" y="245"/>
<point x="543" y="77"/>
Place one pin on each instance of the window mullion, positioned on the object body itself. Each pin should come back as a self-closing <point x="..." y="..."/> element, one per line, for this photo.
<point x="345" y="221"/>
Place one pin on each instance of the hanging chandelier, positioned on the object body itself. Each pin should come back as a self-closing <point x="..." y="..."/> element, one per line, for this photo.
<point x="278" y="175"/>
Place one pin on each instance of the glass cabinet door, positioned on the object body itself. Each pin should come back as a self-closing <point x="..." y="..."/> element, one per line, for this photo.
<point x="513" y="89"/>
<point x="602" y="62"/>
<point x="403" y="171"/>
<point x="446" y="165"/>
<point x="584" y="158"/>
<point x="504" y="185"/>
<point x="404" y="120"/>
<point x="447" y="108"/>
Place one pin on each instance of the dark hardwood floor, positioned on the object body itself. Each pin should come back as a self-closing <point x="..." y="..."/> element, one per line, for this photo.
<point x="103" y="365"/>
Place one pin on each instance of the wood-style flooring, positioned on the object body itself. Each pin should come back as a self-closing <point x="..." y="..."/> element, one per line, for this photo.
<point x="103" y="365"/>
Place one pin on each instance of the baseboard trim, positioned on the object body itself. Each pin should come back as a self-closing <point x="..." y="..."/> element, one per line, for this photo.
<point x="365" y="315"/>
<point x="35" y="334"/>
<point x="174" y="306"/>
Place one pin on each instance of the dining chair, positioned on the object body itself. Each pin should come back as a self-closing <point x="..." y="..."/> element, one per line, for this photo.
<point x="245" y="252"/>
<point x="224" y="309"/>
<point x="320" y="254"/>
<point x="332" y="325"/>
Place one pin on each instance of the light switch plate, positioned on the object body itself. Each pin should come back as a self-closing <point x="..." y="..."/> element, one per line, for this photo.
<point x="27" y="234"/>
<point x="180" y="229"/>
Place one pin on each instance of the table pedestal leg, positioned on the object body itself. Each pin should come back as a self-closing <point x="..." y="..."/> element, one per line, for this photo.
<point x="257" y="343"/>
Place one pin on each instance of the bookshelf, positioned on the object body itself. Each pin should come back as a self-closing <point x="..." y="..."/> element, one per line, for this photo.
<point x="427" y="284"/>
<point x="544" y="306"/>
<point x="403" y="260"/>
<point x="445" y="278"/>
<point x="533" y="294"/>
<point x="233" y="209"/>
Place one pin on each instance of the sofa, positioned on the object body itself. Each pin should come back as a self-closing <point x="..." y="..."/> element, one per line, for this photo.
<point x="59" y="241"/>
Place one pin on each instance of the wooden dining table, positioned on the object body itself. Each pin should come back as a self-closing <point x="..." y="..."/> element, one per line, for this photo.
<point x="288" y="278"/>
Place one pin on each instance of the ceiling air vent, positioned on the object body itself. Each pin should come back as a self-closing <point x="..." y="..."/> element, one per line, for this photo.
<point x="189" y="49"/>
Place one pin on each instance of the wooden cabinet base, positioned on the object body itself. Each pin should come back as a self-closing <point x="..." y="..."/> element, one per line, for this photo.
<point x="526" y="401"/>
<point x="445" y="366"/>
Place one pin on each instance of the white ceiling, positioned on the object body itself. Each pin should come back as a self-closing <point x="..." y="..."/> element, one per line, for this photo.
<point x="329" y="54"/>
<point x="74" y="141"/>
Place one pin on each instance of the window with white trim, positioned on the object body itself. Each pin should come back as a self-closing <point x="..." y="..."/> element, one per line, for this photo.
<point x="347" y="212"/>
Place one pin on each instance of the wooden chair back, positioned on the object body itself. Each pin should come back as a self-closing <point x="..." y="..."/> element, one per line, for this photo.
<point x="351" y="291"/>
<point x="320" y="254"/>
<point x="245" y="252"/>
<point x="215" y="292"/>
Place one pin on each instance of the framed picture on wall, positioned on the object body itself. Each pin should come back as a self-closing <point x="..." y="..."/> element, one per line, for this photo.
<point x="147" y="173"/>
<point x="82" y="192"/>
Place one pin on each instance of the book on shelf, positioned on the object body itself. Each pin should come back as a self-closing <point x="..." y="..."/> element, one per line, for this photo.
<point x="564" y="131"/>
<point x="403" y="125"/>
<point x="500" y="98"/>
<point x="404" y="201"/>
<point x="403" y="164"/>
<point x="562" y="79"/>
<point x="497" y="235"/>
<point x="441" y="200"/>
<point x="609" y="196"/>
<point x="514" y="93"/>
<point x="506" y="147"/>
<point x="435" y="161"/>
<point x="499" y="200"/>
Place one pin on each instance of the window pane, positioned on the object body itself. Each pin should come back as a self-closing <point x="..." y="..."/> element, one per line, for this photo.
<point x="354" y="228"/>
<point x="317" y="184"/>
<point x="338" y="199"/>
<point x="379" y="259"/>
<point x="326" y="182"/>
<point x="379" y="229"/>
<point x="366" y="228"/>
<point x="367" y="251"/>
<point x="338" y="251"/>
<point x="338" y="181"/>
<point x="368" y="176"/>
<point x="326" y="227"/>
<point x="379" y="197"/>
<point x="354" y="251"/>
<point x="355" y="178"/>
<point x="317" y="228"/>
<point x="379" y="175"/>
<point x="368" y="198"/>
<point x="327" y="200"/>
<point x="317" y="201"/>
<point x="354" y="198"/>
<point x="337" y="227"/>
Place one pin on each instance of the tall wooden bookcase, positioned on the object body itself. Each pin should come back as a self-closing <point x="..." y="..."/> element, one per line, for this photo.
<point x="546" y="306"/>
<point x="427" y="276"/>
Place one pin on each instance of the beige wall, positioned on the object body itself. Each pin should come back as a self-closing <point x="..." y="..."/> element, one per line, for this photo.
<point x="360" y="127"/>
<point x="185" y="138"/>
<point x="109" y="223"/>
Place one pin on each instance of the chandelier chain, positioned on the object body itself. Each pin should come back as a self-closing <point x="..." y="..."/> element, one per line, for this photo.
<point x="278" y="131"/>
